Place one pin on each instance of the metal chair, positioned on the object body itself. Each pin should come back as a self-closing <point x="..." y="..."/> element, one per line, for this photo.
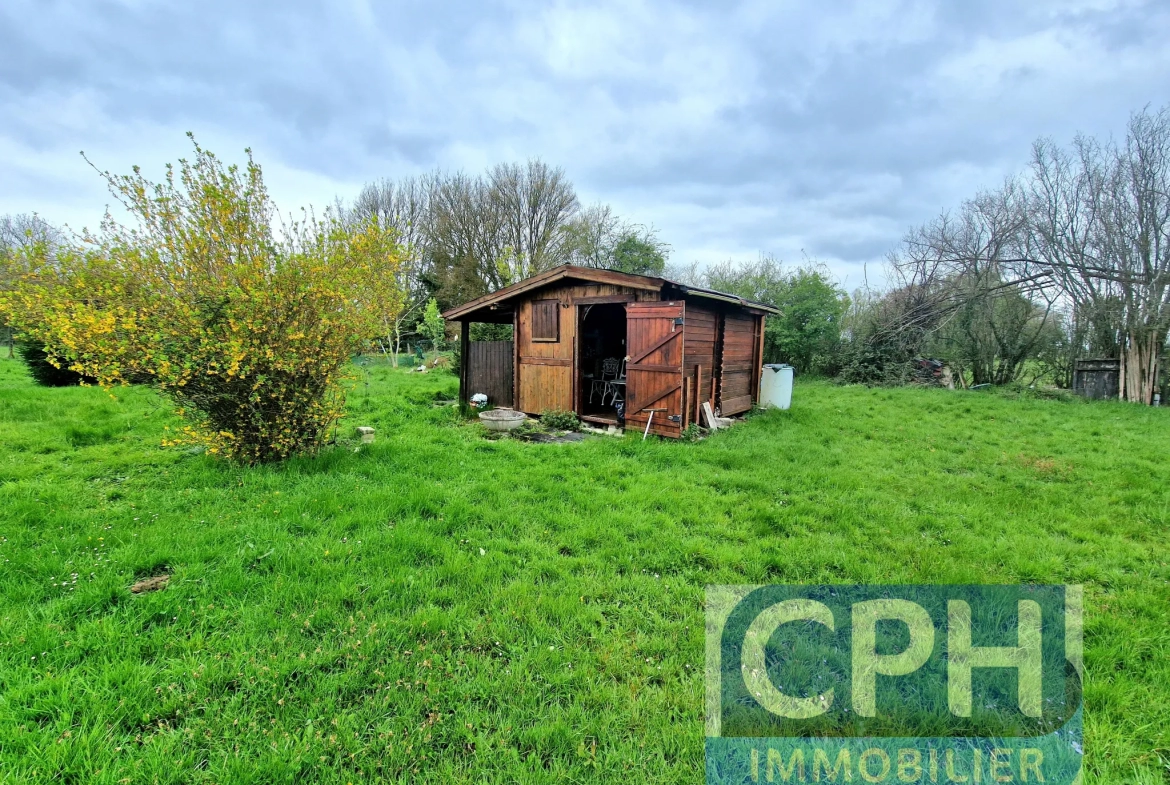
<point x="609" y="372"/>
<point x="617" y="386"/>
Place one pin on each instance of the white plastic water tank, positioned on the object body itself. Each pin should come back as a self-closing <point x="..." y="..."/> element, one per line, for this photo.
<point x="776" y="386"/>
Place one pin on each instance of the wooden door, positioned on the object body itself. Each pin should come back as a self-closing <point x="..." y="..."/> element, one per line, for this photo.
<point x="654" y="370"/>
<point x="739" y="374"/>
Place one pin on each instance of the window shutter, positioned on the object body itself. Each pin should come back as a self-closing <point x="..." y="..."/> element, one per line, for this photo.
<point x="546" y="320"/>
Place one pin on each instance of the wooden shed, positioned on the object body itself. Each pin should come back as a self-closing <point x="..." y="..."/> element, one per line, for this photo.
<point x="1097" y="379"/>
<point x="613" y="347"/>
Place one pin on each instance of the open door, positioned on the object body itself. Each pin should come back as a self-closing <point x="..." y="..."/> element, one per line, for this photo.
<point x="654" y="371"/>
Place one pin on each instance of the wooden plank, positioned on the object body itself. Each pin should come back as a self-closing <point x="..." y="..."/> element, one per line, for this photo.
<point x="736" y="405"/>
<point x="709" y="417"/>
<point x="515" y="359"/>
<point x="660" y="310"/>
<point x="546" y="320"/>
<point x="658" y="344"/>
<point x="653" y="397"/>
<point x="544" y="387"/>
<point x="737" y="385"/>
<point x="574" y="369"/>
<point x="464" y="338"/>
<point x="557" y="361"/>
<point x="665" y="368"/>
<point x="697" y="387"/>
<point x="598" y="419"/>
<point x="758" y="366"/>
<point x="717" y="362"/>
<point x="603" y="298"/>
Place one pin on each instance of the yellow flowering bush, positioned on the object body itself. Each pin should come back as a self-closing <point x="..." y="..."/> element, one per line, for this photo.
<point x="248" y="326"/>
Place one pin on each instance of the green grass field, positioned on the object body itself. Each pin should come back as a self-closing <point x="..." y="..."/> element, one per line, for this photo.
<point x="439" y="607"/>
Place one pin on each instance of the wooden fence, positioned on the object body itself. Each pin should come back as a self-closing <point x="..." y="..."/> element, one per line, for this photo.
<point x="489" y="371"/>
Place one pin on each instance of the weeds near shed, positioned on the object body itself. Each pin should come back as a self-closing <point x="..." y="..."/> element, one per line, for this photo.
<point x="560" y="421"/>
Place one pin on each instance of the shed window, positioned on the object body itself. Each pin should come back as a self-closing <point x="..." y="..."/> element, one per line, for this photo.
<point x="546" y="320"/>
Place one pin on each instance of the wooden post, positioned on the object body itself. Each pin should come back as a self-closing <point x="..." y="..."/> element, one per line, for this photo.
<point x="758" y="371"/>
<point x="698" y="394"/>
<point x="516" y="358"/>
<point x="464" y="356"/>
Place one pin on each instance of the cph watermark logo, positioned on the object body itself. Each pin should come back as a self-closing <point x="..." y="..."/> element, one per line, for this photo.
<point x="898" y="684"/>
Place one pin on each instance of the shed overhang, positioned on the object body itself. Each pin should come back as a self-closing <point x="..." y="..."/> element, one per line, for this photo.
<point x="497" y="307"/>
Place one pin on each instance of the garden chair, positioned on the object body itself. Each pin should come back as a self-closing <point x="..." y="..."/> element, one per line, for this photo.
<point x="616" y="387"/>
<point x="610" y="368"/>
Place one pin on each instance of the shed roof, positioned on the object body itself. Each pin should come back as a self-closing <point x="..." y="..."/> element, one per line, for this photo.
<point x="501" y="296"/>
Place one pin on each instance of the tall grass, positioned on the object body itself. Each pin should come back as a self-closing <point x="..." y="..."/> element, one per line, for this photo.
<point x="439" y="607"/>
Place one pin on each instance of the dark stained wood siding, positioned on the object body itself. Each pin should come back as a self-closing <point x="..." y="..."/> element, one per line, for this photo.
<point x="739" y="376"/>
<point x="722" y="340"/>
<point x="701" y="332"/>
<point x="489" y="370"/>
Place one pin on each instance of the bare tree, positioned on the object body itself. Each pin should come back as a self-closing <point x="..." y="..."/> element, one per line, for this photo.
<point x="978" y="293"/>
<point x="1100" y="227"/>
<point x="691" y="273"/>
<point x="590" y="236"/>
<point x="465" y="240"/>
<point x="534" y="203"/>
<point x="404" y="206"/>
<point x="1086" y="230"/>
<point x="469" y="235"/>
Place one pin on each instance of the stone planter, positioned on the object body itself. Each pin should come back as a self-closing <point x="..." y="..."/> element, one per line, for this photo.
<point x="502" y="419"/>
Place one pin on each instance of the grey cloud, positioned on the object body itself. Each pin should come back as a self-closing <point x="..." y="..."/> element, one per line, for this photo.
<point x="750" y="126"/>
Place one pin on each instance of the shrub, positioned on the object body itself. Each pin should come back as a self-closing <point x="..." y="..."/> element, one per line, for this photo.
<point x="871" y="361"/>
<point x="807" y="330"/>
<point x="557" y="420"/>
<point x="485" y="331"/>
<point x="433" y="326"/>
<point x="248" y="329"/>
<point x="49" y="371"/>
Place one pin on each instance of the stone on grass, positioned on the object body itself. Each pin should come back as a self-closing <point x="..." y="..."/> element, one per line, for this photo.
<point x="157" y="583"/>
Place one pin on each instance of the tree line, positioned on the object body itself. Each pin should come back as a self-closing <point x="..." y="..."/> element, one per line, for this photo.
<point x="1069" y="258"/>
<point x="464" y="236"/>
<point x="247" y="320"/>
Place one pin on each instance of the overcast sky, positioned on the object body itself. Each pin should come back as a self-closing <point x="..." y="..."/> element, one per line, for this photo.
<point x="818" y="130"/>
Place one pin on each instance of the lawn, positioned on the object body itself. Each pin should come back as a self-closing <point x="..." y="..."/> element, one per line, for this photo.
<point x="440" y="607"/>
